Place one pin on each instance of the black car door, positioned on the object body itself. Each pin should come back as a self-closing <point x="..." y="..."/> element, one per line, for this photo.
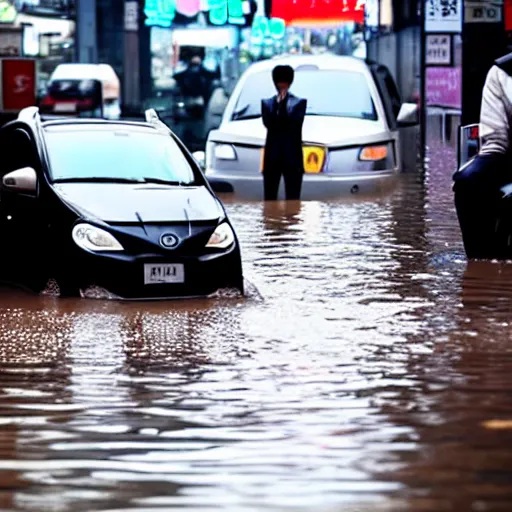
<point x="22" y="220"/>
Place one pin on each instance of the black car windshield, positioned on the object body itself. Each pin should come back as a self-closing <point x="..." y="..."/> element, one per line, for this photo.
<point x="337" y="93"/>
<point x="116" y="155"/>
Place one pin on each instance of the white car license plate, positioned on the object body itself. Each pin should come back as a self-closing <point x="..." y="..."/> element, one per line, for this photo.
<point x="64" y="107"/>
<point x="164" y="273"/>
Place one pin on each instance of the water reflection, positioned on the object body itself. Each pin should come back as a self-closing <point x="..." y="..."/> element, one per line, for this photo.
<point x="363" y="379"/>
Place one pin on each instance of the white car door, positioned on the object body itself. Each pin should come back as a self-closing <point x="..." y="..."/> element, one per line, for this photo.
<point x="404" y="136"/>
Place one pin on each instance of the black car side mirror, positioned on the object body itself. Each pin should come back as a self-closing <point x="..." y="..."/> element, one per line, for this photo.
<point x="23" y="181"/>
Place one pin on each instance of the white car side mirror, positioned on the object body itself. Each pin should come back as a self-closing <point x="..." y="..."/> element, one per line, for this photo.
<point x="200" y="158"/>
<point x="408" y="115"/>
<point x="22" y="180"/>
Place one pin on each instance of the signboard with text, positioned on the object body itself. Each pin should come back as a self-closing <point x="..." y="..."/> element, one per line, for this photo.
<point x="443" y="87"/>
<point x="438" y="50"/>
<point x="483" y="12"/>
<point x="18" y="84"/>
<point x="300" y="12"/>
<point x="131" y="16"/>
<point x="165" y="13"/>
<point x="443" y="16"/>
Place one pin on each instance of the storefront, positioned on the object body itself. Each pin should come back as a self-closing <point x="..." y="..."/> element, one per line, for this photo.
<point x="46" y="31"/>
<point x="170" y="50"/>
<point x="49" y="40"/>
<point x="303" y="26"/>
<point x="393" y="38"/>
<point x="213" y="29"/>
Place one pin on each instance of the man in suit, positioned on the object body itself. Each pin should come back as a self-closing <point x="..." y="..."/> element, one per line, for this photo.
<point x="283" y="116"/>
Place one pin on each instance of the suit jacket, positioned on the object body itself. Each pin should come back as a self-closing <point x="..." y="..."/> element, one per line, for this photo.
<point x="283" y="146"/>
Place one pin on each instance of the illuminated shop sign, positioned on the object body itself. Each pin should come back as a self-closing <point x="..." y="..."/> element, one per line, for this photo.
<point x="300" y="12"/>
<point x="265" y="29"/>
<point x="159" y="13"/>
<point x="8" y="12"/>
<point x="221" y="12"/>
<point x="226" y="11"/>
<point x="189" y="8"/>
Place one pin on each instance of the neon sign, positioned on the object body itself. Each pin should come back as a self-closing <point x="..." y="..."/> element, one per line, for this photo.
<point x="8" y="12"/>
<point x="188" y="8"/>
<point x="159" y="13"/>
<point x="296" y="12"/>
<point x="264" y="29"/>
<point x="226" y="11"/>
<point x="162" y="12"/>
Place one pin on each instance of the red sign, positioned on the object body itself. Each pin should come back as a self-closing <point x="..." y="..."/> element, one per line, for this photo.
<point x="18" y="84"/>
<point x="318" y="12"/>
<point x="508" y="15"/>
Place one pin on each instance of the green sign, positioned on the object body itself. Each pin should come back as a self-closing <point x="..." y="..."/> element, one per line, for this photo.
<point x="222" y="12"/>
<point x="159" y="12"/>
<point x="8" y="12"/>
<point x="264" y="29"/>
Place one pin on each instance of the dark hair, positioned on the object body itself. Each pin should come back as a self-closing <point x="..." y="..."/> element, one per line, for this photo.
<point x="283" y="74"/>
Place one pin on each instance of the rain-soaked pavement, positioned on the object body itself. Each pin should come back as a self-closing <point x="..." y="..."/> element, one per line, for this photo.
<point x="369" y="369"/>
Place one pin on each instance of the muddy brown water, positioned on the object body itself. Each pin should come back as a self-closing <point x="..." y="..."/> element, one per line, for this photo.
<point x="369" y="369"/>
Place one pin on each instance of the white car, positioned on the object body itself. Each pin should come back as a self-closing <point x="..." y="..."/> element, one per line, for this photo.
<point x="351" y="133"/>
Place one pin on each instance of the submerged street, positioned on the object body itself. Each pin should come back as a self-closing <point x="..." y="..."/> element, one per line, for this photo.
<point x="368" y="369"/>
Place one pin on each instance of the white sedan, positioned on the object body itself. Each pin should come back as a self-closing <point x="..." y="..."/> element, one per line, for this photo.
<point x="351" y="133"/>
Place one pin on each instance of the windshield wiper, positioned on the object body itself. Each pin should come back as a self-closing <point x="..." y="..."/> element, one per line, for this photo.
<point x="98" y="179"/>
<point x="241" y="114"/>
<point x="161" y="181"/>
<point x="363" y="115"/>
<point x="247" y="116"/>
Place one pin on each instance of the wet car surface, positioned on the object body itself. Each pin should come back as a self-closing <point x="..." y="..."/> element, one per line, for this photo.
<point x="367" y="370"/>
<point x="136" y="216"/>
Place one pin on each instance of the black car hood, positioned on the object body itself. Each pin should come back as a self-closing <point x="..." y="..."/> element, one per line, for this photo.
<point x="120" y="202"/>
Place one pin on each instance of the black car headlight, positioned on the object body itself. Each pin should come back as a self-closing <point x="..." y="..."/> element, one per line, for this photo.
<point x="222" y="238"/>
<point x="92" y="238"/>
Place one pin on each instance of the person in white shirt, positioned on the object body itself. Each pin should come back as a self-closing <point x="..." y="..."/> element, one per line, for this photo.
<point x="477" y="185"/>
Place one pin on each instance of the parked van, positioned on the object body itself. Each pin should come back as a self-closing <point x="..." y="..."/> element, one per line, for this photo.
<point x="83" y="90"/>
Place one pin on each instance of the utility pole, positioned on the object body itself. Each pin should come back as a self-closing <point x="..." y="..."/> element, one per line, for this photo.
<point x="131" y="75"/>
<point x="86" y="36"/>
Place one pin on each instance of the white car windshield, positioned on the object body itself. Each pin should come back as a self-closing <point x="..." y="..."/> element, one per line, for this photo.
<point x="116" y="155"/>
<point x="337" y="93"/>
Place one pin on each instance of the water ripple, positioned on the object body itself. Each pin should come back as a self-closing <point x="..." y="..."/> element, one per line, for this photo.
<point x="368" y="369"/>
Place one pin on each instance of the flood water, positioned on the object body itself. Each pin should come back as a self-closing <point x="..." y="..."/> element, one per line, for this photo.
<point x="369" y="369"/>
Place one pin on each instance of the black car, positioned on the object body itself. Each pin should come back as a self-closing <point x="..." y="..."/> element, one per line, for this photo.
<point x="114" y="204"/>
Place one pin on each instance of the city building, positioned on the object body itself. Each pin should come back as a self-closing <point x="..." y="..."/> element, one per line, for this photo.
<point x="40" y="29"/>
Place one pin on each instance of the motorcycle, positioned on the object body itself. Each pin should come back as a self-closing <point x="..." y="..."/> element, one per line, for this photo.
<point x="498" y="236"/>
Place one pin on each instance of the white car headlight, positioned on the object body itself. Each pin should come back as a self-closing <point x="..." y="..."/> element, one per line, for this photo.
<point x="222" y="237"/>
<point x="225" y="152"/>
<point x="92" y="238"/>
